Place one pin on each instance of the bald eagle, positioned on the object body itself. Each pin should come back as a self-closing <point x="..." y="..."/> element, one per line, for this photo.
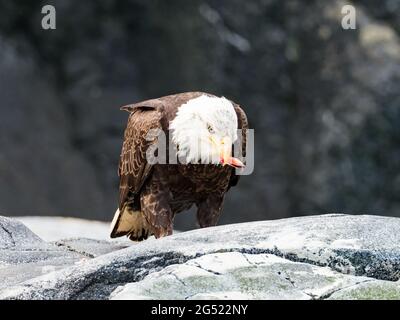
<point x="151" y="194"/>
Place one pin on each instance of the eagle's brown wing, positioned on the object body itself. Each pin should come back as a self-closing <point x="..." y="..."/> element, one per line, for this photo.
<point x="243" y="125"/>
<point x="133" y="167"/>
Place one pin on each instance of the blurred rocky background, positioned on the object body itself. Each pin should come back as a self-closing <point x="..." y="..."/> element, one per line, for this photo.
<point x="324" y="101"/>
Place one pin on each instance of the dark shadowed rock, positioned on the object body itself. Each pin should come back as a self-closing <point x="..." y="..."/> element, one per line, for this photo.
<point x="300" y="258"/>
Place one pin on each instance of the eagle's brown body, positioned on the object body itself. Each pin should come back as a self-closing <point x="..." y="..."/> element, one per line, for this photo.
<point x="151" y="195"/>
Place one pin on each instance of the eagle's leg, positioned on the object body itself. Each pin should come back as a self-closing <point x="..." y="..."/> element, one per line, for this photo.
<point x="155" y="206"/>
<point x="209" y="210"/>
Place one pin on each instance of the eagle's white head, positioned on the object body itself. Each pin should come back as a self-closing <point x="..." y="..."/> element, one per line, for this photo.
<point x="204" y="130"/>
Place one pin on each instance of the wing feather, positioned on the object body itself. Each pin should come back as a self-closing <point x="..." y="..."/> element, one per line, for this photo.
<point x="133" y="167"/>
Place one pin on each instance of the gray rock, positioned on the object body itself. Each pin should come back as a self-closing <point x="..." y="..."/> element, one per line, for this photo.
<point x="369" y="290"/>
<point x="319" y="257"/>
<point x="15" y="234"/>
<point x="24" y="256"/>
<point x="234" y="275"/>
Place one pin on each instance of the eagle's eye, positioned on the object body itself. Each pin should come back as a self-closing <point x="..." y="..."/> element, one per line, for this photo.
<point x="210" y="128"/>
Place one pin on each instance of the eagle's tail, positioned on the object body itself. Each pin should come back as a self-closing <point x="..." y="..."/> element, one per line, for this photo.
<point x="130" y="223"/>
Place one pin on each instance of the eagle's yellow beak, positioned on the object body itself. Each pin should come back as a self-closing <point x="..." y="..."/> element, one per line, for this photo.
<point x="231" y="161"/>
<point x="226" y="155"/>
